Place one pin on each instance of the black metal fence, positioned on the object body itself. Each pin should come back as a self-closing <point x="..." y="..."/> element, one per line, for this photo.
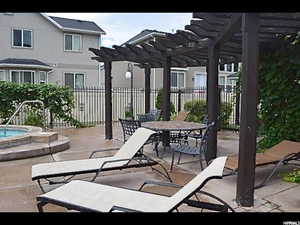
<point x="90" y="104"/>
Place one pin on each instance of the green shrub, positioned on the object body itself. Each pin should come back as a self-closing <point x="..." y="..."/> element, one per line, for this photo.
<point x="34" y="118"/>
<point x="279" y="96"/>
<point x="58" y="100"/>
<point x="197" y="109"/>
<point x="159" y="99"/>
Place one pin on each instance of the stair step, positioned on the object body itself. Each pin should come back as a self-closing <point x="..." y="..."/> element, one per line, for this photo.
<point x="34" y="149"/>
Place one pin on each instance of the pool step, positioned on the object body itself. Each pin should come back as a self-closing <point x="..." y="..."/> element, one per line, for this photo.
<point x="44" y="137"/>
<point x="35" y="149"/>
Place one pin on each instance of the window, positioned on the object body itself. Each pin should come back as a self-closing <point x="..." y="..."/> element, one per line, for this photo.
<point x="177" y="79"/>
<point x="236" y="67"/>
<point x="43" y="77"/>
<point x="221" y="80"/>
<point x="200" y="81"/>
<point x="229" y="67"/>
<point x="22" y="38"/>
<point x="74" y="80"/>
<point x="2" y="76"/>
<point x="22" y="76"/>
<point x="222" y="67"/>
<point x="72" y="42"/>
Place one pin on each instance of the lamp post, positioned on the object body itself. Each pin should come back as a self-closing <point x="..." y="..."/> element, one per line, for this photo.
<point x="129" y="75"/>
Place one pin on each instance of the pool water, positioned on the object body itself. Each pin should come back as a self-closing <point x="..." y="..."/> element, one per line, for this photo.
<point x="11" y="132"/>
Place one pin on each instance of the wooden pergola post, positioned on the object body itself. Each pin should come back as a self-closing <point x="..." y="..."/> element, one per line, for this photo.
<point x="247" y="143"/>
<point x="166" y="98"/>
<point x="212" y="99"/>
<point x="166" y="89"/>
<point x="147" y="88"/>
<point x="108" y="101"/>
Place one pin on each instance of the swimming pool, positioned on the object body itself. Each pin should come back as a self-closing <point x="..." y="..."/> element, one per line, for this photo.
<point x="11" y="132"/>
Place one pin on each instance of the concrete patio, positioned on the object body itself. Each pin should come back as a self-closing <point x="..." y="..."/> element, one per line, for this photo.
<point x="18" y="192"/>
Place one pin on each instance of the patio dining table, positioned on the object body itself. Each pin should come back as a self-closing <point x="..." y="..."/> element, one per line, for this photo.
<point x="165" y="127"/>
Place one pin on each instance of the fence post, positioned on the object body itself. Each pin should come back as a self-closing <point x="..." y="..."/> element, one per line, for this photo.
<point x="51" y="120"/>
<point x="179" y="101"/>
<point x="237" y="109"/>
<point x="219" y="108"/>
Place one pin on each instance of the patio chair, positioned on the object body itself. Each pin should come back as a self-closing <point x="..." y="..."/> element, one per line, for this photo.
<point x="145" y="117"/>
<point x="156" y="113"/>
<point x="198" y="134"/>
<point x="87" y="196"/>
<point x="179" y="137"/>
<point x="128" y="156"/>
<point x="130" y="126"/>
<point x="284" y="153"/>
<point x="200" y="150"/>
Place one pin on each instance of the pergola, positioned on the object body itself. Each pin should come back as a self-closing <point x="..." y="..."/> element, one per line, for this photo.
<point x="209" y="40"/>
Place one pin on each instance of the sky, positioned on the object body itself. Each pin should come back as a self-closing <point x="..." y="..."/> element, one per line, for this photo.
<point x="120" y="27"/>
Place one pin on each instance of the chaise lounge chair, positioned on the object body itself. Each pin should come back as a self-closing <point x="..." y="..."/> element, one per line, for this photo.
<point x="88" y="196"/>
<point x="128" y="156"/>
<point x="280" y="154"/>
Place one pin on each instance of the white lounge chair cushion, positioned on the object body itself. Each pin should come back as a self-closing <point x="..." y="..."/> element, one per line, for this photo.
<point x="127" y="151"/>
<point x="103" y="197"/>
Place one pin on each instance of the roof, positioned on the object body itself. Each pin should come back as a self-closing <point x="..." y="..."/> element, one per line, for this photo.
<point x="14" y="62"/>
<point x="143" y="35"/>
<point x="81" y="26"/>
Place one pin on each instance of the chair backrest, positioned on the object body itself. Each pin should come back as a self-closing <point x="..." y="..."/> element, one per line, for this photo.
<point x="205" y="119"/>
<point x="181" y="116"/>
<point x="129" y="127"/>
<point x="145" y="117"/>
<point x="203" y="141"/>
<point x="156" y="113"/>
<point x="215" y="169"/>
<point x="134" y="143"/>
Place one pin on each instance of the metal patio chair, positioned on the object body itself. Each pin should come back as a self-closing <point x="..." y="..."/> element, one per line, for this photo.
<point x="197" y="135"/>
<point x="186" y="148"/>
<point x="92" y="197"/>
<point x="130" y="126"/>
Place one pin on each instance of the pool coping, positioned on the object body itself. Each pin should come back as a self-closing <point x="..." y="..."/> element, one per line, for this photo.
<point x="8" y="142"/>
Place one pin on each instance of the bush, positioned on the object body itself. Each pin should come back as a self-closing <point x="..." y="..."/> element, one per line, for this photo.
<point x="279" y="97"/>
<point x="34" y="118"/>
<point x="58" y="100"/>
<point x="197" y="109"/>
<point x="159" y="100"/>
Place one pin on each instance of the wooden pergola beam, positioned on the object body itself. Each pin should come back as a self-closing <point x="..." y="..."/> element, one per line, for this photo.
<point x="232" y="27"/>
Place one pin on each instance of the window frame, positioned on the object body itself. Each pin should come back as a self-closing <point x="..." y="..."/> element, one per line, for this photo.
<point x="184" y="78"/>
<point x="200" y="74"/>
<point x="22" y="37"/>
<point x="74" y="76"/>
<point x="46" y="76"/>
<point x="72" y="50"/>
<point x="5" y="76"/>
<point x="19" y="82"/>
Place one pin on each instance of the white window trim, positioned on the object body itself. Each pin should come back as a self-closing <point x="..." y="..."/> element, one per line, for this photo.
<point x="200" y="73"/>
<point x="81" y="44"/>
<point x="22" y="29"/>
<point x="84" y="75"/>
<point x="46" y="82"/>
<point x="32" y="75"/>
<point x="5" y="76"/>
<point x="184" y="79"/>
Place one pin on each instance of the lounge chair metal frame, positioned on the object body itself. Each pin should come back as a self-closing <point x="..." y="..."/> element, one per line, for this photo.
<point x="284" y="161"/>
<point x="130" y="126"/>
<point x="140" y="160"/>
<point x="223" y="207"/>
